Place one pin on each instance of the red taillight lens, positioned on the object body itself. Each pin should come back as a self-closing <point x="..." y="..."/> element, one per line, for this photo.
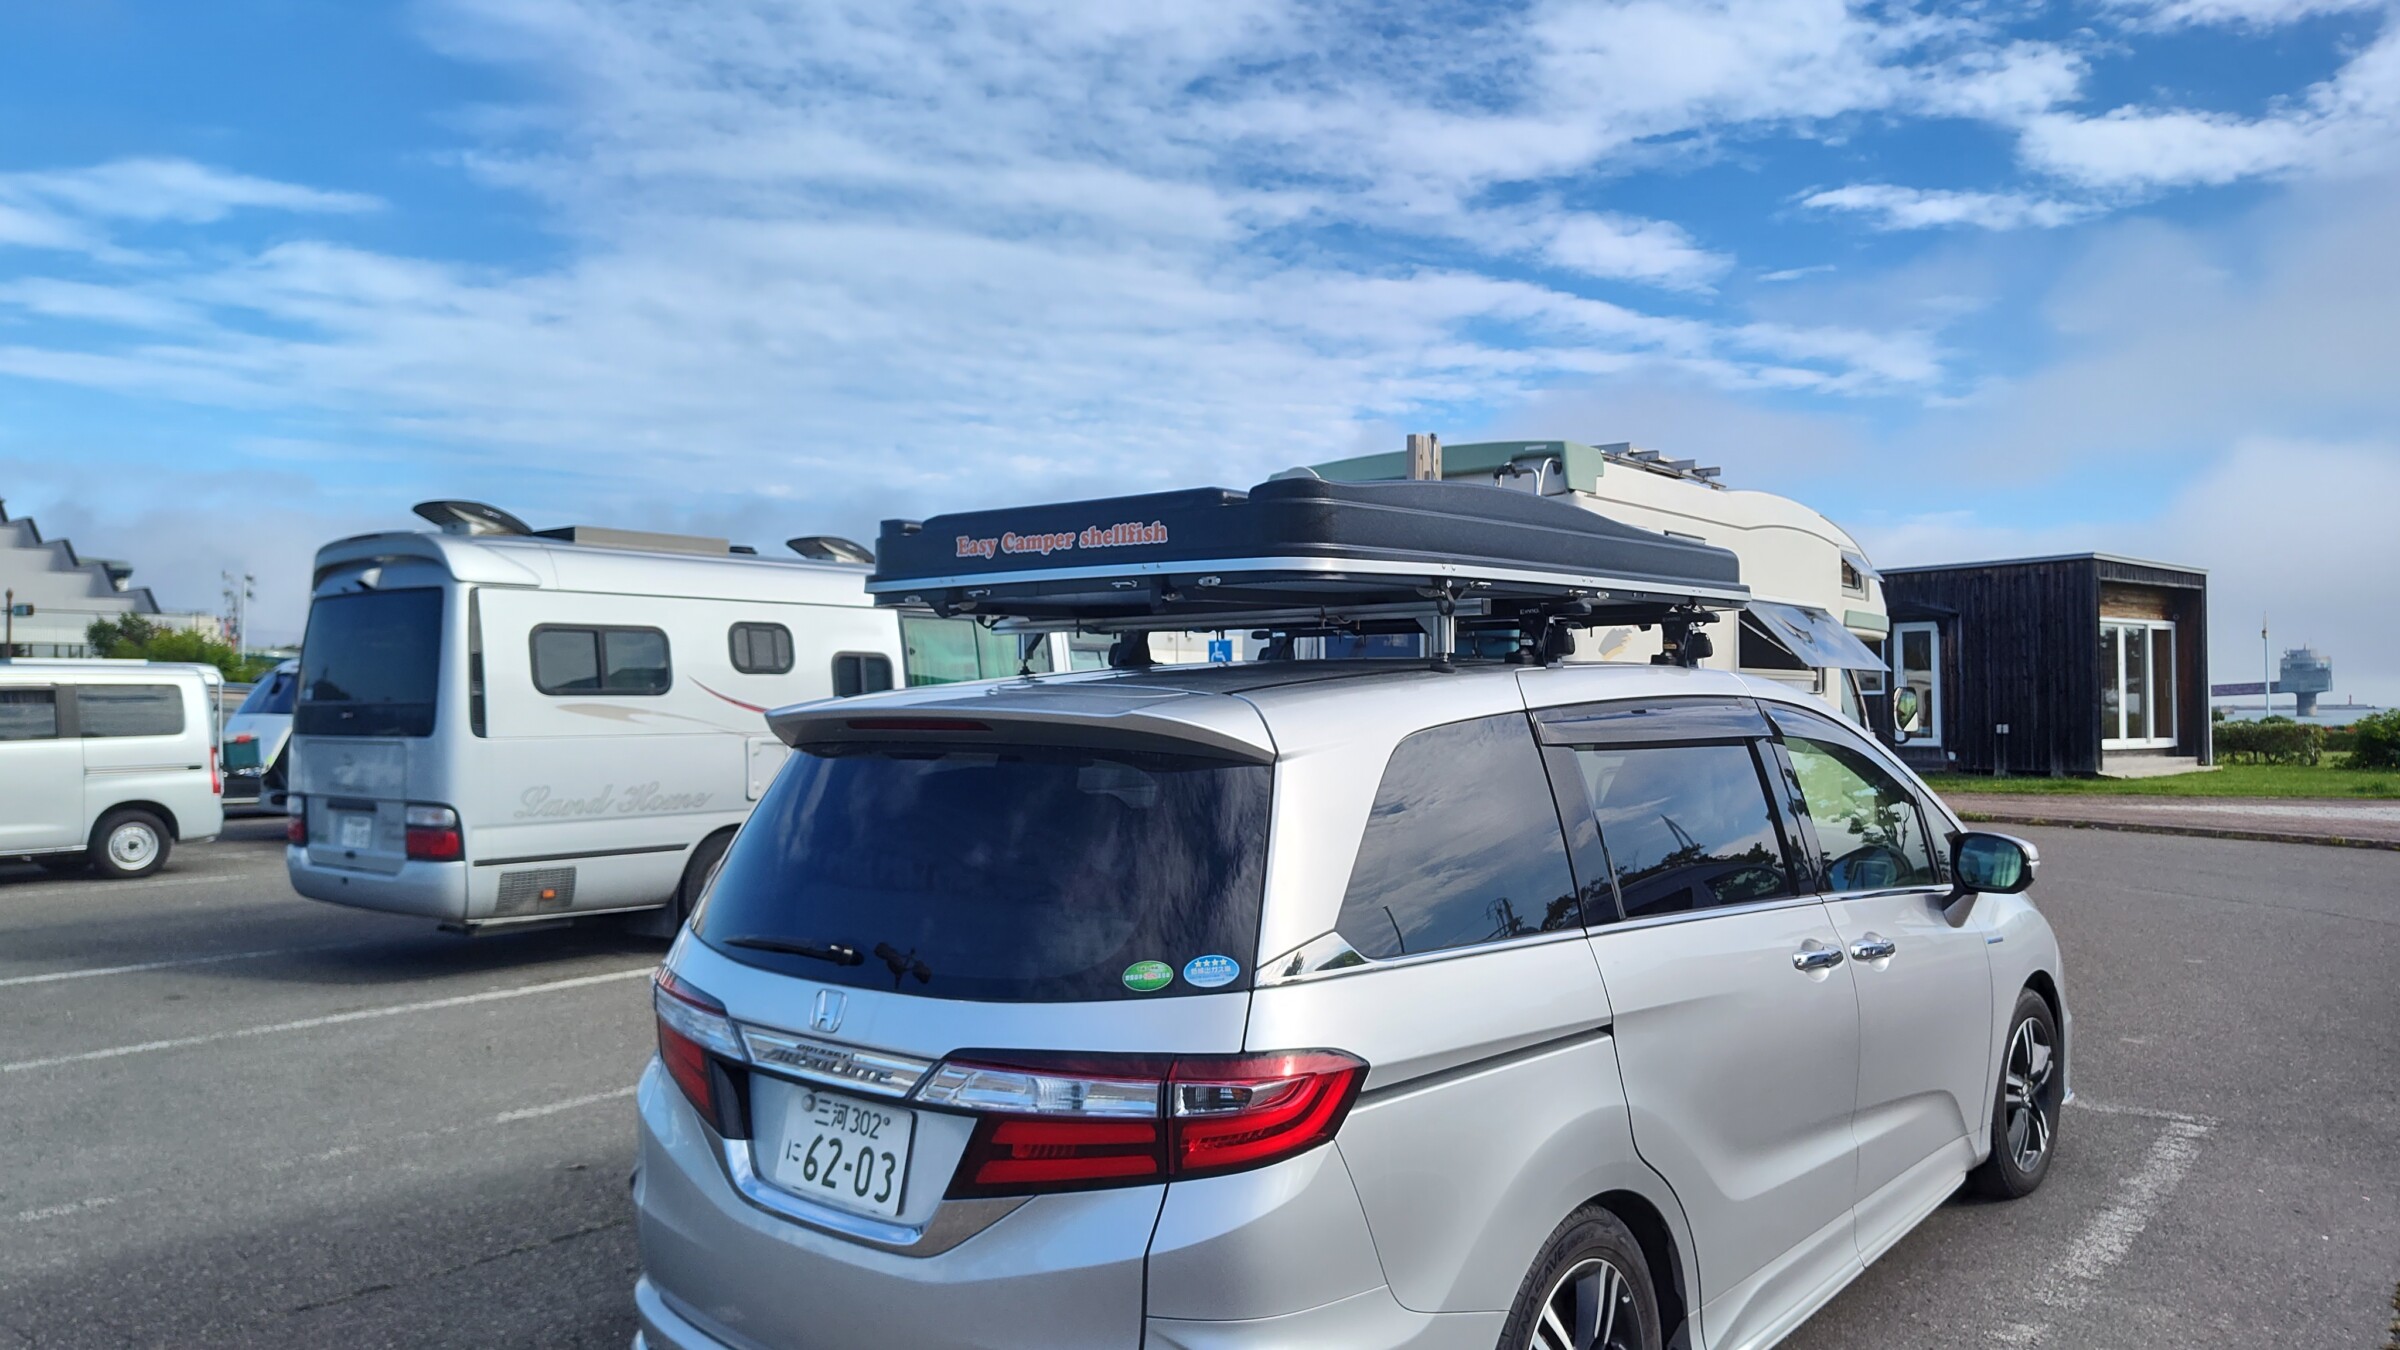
<point x="1255" y="1109"/>
<point x="1079" y="1122"/>
<point x="295" y="828"/>
<point x="433" y="835"/>
<point x="693" y="1032"/>
<point x="216" y="780"/>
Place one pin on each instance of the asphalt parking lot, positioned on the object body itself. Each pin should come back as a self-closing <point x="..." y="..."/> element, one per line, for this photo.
<point x="229" y="1116"/>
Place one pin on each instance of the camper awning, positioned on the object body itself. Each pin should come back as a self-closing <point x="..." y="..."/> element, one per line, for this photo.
<point x="1813" y="636"/>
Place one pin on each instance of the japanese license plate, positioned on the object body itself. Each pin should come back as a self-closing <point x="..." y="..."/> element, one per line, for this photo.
<point x="844" y="1151"/>
<point x="353" y="830"/>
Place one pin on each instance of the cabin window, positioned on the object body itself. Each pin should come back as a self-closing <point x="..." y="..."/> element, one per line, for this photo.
<point x="761" y="648"/>
<point x="601" y="661"/>
<point x="28" y="714"/>
<point x="129" y="710"/>
<point x="861" y="673"/>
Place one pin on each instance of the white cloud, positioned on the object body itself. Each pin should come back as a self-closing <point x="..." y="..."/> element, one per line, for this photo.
<point x="1654" y="251"/>
<point x="2234" y="13"/>
<point x="2347" y="124"/>
<point x="1905" y="208"/>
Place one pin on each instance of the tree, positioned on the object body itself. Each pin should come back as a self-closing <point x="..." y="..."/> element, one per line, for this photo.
<point x="125" y="637"/>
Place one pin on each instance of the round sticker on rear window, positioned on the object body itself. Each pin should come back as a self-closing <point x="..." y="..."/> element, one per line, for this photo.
<point x="1147" y="977"/>
<point x="1208" y="972"/>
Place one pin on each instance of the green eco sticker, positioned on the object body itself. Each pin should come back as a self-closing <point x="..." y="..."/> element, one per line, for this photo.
<point x="1143" y="977"/>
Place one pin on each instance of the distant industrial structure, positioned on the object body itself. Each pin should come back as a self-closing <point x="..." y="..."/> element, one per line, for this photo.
<point x="2306" y="675"/>
<point x="53" y="593"/>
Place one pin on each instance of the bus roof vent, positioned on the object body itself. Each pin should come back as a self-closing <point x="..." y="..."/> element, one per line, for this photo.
<point x="831" y="548"/>
<point x="457" y="517"/>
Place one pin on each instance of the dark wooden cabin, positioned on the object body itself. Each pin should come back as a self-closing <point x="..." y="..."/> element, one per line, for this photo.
<point x="2083" y="664"/>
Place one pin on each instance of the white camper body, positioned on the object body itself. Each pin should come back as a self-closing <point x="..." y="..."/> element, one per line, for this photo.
<point x="1816" y="620"/>
<point x="503" y="729"/>
<point x="108" y="763"/>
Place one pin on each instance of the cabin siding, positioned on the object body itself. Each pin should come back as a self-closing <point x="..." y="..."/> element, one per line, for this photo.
<point x="2021" y="649"/>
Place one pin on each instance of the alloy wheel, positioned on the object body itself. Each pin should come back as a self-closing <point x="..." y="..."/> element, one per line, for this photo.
<point x="2026" y="1095"/>
<point x="1590" y="1308"/>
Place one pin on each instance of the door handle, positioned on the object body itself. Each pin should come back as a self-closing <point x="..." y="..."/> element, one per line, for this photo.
<point x="1816" y="958"/>
<point x="1873" y="948"/>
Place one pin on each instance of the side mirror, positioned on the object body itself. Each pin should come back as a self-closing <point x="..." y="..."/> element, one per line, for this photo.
<point x="1993" y="864"/>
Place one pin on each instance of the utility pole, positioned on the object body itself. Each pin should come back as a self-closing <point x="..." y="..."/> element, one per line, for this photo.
<point x="8" y="645"/>
<point x="239" y="592"/>
<point x="2266" y="672"/>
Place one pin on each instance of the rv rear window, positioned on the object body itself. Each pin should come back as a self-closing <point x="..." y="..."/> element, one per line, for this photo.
<point x="129" y="710"/>
<point x="601" y="661"/>
<point x="371" y="664"/>
<point x="1009" y="873"/>
<point x="761" y="648"/>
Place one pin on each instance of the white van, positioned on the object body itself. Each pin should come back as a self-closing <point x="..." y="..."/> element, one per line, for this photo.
<point x="256" y="772"/>
<point x="107" y="763"/>
<point x="496" y="727"/>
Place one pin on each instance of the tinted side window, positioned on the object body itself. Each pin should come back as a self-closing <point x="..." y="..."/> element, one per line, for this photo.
<point x="28" y="714"/>
<point x="601" y="661"/>
<point x="860" y="673"/>
<point x="1686" y="826"/>
<point x="1869" y="827"/>
<point x="1462" y="846"/>
<point x="129" y="710"/>
<point x="761" y="648"/>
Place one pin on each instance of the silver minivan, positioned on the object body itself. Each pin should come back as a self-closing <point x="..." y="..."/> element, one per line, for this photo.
<point x="1332" y="1004"/>
<point x="107" y="765"/>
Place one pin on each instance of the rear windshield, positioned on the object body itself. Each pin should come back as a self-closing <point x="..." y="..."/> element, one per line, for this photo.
<point x="274" y="693"/>
<point x="371" y="664"/>
<point x="1007" y="873"/>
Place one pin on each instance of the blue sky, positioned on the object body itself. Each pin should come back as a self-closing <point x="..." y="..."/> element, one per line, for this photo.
<point x="1977" y="280"/>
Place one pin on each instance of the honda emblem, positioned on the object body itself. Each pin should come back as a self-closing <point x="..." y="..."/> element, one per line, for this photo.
<point x="828" y="1016"/>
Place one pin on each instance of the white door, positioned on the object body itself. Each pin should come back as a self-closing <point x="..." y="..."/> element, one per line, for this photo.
<point x="41" y="776"/>
<point x="1924" y="985"/>
<point x="1736" y="1021"/>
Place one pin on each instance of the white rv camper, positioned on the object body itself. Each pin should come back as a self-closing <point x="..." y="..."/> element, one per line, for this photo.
<point x="1816" y="619"/>
<point x="498" y="727"/>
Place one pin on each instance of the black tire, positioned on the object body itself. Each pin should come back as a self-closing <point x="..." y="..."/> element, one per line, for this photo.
<point x="2025" y="1104"/>
<point x="1590" y="1271"/>
<point x="697" y="873"/>
<point x="128" y="843"/>
<point x="63" y="864"/>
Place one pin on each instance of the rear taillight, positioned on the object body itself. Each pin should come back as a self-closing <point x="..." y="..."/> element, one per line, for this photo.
<point x="693" y="1034"/>
<point x="216" y="780"/>
<point x="433" y="835"/>
<point x="1061" y="1123"/>
<point x="295" y="828"/>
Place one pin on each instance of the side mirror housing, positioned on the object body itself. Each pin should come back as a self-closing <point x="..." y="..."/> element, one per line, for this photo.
<point x="1993" y="864"/>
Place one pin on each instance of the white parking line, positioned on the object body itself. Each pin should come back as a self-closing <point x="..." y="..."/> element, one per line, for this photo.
<point x="92" y="972"/>
<point x="530" y="1112"/>
<point x="333" y="1019"/>
<point x="62" y="1211"/>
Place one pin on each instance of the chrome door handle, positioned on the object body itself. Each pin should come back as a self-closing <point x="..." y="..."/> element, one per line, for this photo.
<point x="1873" y="948"/>
<point x="1816" y="958"/>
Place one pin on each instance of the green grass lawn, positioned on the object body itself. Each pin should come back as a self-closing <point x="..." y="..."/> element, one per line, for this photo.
<point x="2232" y="780"/>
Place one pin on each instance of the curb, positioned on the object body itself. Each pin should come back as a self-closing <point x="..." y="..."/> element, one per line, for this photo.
<point x="2192" y="831"/>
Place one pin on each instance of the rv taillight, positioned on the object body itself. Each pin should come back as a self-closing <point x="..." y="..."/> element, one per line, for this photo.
<point x="295" y="828"/>
<point x="693" y="1034"/>
<point x="1082" y="1122"/>
<point x="433" y="835"/>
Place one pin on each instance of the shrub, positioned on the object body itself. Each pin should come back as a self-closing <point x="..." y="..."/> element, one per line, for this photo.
<point x="2280" y="741"/>
<point x="2375" y="741"/>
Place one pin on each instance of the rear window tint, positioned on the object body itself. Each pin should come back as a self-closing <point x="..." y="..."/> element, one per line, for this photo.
<point x="28" y="715"/>
<point x="103" y="710"/>
<point x="1005" y="873"/>
<point x="1462" y="845"/>
<point x="371" y="664"/>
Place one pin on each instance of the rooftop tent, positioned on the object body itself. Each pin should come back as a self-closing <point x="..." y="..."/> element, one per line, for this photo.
<point x="1297" y="548"/>
<point x="1813" y="636"/>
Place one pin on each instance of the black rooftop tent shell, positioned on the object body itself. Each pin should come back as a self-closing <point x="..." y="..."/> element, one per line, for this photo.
<point x="1290" y="546"/>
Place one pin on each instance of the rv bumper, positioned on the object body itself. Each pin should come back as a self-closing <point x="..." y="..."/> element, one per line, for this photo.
<point x="427" y="890"/>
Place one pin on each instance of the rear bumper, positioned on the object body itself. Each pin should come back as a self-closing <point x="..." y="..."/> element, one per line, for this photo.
<point x="423" y="889"/>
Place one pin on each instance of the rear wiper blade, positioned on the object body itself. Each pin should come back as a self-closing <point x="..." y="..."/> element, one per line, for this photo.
<point x="838" y="953"/>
